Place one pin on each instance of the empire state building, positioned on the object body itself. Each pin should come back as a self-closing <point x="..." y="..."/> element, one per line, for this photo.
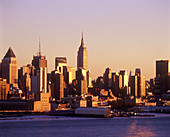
<point x="82" y="58"/>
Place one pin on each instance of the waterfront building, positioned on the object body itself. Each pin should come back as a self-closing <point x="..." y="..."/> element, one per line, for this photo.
<point x="43" y="104"/>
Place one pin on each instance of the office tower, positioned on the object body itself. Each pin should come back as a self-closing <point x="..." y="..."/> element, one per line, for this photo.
<point x="24" y="78"/>
<point x="99" y="83"/>
<point x="57" y="85"/>
<point x="162" y="79"/>
<point x="124" y="75"/>
<point x="81" y="81"/>
<point x="4" y="88"/>
<point x="89" y="84"/>
<point x="82" y="58"/>
<point x="133" y="83"/>
<point x="137" y="86"/>
<point x="116" y="83"/>
<point x="69" y="74"/>
<point x="60" y="62"/>
<point x="39" y="60"/>
<point x="9" y="67"/>
<point x="0" y="70"/>
<point x="107" y="77"/>
<point x="162" y="68"/>
<point x="137" y="72"/>
<point x="39" y="79"/>
<point x="130" y="74"/>
<point x="142" y="86"/>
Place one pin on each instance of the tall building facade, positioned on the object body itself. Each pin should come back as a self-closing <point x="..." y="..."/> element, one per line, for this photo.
<point x="124" y="75"/>
<point x="137" y="86"/>
<point x="4" y="88"/>
<point x="107" y="77"/>
<point x="162" y="79"/>
<point x="69" y="74"/>
<point x="40" y="73"/>
<point x="9" y="67"/>
<point x="81" y="81"/>
<point x="82" y="62"/>
<point x="137" y="72"/>
<point x="116" y="83"/>
<point x="162" y="68"/>
<point x="60" y="62"/>
<point x="57" y="85"/>
<point x="39" y="81"/>
<point x="82" y="58"/>
<point x="24" y="77"/>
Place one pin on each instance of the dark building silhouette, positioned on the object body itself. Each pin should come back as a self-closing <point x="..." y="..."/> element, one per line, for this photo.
<point x="162" y="79"/>
<point x="137" y="72"/>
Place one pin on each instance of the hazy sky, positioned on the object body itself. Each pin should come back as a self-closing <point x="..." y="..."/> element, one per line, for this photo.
<point x="121" y="34"/>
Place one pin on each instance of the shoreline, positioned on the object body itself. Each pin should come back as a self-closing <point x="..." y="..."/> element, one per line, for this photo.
<point x="47" y="117"/>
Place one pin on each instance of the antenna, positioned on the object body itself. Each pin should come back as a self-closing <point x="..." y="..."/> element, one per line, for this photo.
<point x="82" y="33"/>
<point x="39" y="53"/>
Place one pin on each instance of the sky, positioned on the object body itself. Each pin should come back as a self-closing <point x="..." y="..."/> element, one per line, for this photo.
<point x="120" y="34"/>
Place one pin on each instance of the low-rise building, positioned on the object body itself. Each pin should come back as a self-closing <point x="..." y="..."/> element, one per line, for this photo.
<point x="43" y="104"/>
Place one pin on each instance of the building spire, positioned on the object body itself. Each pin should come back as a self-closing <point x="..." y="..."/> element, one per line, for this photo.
<point x="39" y="52"/>
<point x="82" y="41"/>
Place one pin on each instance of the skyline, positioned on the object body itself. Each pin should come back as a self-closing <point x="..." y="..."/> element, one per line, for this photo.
<point x="121" y="31"/>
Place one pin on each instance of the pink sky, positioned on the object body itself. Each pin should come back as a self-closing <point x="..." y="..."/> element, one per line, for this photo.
<point x="121" y="34"/>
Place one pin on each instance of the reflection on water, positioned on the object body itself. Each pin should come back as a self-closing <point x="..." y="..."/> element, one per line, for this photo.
<point x="140" y="129"/>
<point x="75" y="127"/>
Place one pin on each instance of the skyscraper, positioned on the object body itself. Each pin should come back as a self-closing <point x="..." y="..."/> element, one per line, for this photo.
<point x="124" y="75"/>
<point x="107" y="77"/>
<point x="9" y="67"/>
<point x="162" y="68"/>
<point x="162" y="79"/>
<point x="40" y="76"/>
<point x="58" y="85"/>
<point x="137" y="86"/>
<point x="82" y="58"/>
<point x="137" y="72"/>
<point x="60" y="62"/>
<point x="81" y="81"/>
